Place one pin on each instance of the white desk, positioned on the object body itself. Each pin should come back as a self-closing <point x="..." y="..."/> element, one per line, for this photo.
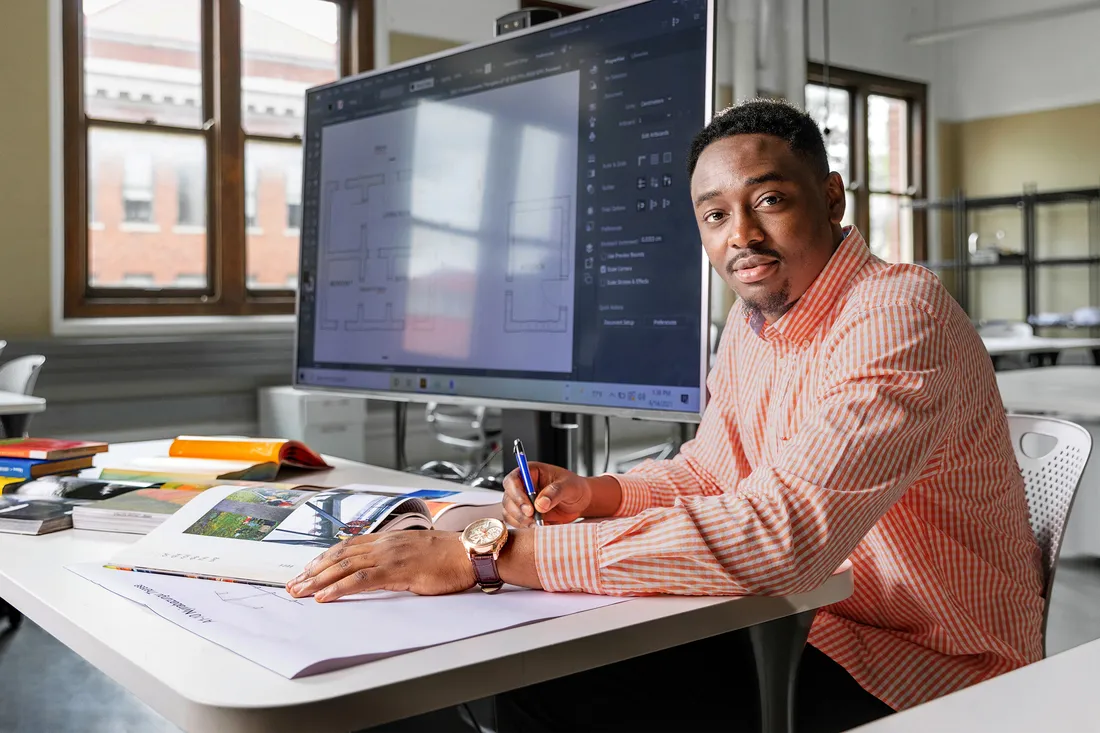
<point x="18" y="404"/>
<point x="1073" y="391"/>
<point x="1055" y="694"/>
<point x="1041" y="351"/>
<point x="200" y="686"/>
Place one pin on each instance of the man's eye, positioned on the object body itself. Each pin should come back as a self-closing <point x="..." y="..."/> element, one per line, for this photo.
<point x="770" y="200"/>
<point x="714" y="216"/>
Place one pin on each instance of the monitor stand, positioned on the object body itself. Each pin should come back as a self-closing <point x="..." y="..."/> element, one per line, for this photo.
<point x="548" y="437"/>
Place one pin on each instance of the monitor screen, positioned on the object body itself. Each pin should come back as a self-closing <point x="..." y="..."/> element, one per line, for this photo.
<point x="510" y="223"/>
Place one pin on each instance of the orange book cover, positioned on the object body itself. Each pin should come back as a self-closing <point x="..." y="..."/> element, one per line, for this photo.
<point x="257" y="450"/>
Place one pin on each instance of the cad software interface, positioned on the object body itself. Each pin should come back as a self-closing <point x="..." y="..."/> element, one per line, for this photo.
<point x="513" y="221"/>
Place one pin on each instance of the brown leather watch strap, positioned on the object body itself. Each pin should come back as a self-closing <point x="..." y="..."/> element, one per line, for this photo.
<point x="485" y="570"/>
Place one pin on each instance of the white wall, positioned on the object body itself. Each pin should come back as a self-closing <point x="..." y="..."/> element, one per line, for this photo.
<point x="1042" y="65"/>
<point x="998" y="71"/>
<point x="463" y="21"/>
<point x="868" y="35"/>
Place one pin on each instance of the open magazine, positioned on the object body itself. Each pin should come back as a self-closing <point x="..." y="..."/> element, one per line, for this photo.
<point x="266" y="535"/>
<point x="215" y="458"/>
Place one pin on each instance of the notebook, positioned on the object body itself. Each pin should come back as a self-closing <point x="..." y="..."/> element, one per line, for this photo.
<point x="267" y="535"/>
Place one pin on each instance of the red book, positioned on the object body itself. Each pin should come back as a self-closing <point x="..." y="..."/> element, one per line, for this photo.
<point x="48" y="449"/>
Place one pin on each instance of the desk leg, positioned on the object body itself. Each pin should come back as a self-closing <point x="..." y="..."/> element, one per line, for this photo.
<point x="777" y="647"/>
<point x="10" y="613"/>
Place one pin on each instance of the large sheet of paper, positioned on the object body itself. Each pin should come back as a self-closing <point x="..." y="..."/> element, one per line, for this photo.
<point x="296" y="637"/>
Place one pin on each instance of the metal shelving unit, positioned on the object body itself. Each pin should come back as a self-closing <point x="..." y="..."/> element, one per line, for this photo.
<point x="1029" y="203"/>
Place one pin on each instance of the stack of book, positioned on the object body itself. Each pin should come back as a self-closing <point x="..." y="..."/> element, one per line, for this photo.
<point x="24" y="459"/>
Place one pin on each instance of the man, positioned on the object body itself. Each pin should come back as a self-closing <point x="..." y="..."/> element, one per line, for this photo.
<point x="854" y="414"/>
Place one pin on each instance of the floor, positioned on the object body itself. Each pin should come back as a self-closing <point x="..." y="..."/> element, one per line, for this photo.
<point x="46" y="687"/>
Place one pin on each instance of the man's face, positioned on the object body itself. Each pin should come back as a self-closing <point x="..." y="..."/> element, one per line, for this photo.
<point x="769" y="223"/>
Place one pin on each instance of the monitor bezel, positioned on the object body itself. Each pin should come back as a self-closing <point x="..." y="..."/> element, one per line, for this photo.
<point x="505" y="403"/>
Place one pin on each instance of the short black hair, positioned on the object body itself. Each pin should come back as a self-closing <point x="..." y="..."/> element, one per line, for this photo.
<point x="765" y="117"/>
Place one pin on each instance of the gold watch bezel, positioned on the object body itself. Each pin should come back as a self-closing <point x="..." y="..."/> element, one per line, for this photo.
<point x="490" y="548"/>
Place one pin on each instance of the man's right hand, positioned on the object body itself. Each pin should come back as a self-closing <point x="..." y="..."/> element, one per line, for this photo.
<point x="561" y="496"/>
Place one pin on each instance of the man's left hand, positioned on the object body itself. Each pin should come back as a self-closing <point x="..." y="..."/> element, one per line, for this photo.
<point x="425" y="562"/>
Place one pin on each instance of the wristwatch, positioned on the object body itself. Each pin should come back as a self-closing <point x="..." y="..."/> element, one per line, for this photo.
<point x="484" y="539"/>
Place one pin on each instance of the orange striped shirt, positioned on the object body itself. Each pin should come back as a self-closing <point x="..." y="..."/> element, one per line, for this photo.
<point x="865" y="423"/>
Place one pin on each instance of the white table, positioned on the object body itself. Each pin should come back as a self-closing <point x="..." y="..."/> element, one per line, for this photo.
<point x="1042" y="351"/>
<point x="19" y="404"/>
<point x="1055" y="694"/>
<point x="1072" y="393"/>
<point x="200" y="686"/>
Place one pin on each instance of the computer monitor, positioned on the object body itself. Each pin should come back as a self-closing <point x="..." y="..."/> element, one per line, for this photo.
<point x="510" y="223"/>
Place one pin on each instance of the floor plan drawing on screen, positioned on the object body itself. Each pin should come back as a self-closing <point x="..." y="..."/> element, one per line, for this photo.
<point x="542" y="225"/>
<point x="365" y="264"/>
<point x="454" y="249"/>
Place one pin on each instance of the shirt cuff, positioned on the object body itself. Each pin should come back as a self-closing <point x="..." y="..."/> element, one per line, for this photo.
<point x="567" y="557"/>
<point x="635" y="499"/>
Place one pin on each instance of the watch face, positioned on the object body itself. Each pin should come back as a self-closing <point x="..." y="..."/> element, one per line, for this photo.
<point x="484" y="532"/>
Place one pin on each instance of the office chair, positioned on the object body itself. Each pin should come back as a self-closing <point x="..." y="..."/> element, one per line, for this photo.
<point x="19" y="376"/>
<point x="1050" y="484"/>
<point x="475" y="431"/>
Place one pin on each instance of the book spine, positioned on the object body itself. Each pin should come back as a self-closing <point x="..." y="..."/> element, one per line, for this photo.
<point x="10" y="471"/>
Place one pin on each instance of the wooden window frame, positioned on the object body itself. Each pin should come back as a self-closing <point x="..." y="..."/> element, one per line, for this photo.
<point x="860" y="85"/>
<point x="226" y="293"/>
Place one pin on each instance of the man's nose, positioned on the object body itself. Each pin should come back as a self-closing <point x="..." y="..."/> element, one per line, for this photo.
<point x="744" y="231"/>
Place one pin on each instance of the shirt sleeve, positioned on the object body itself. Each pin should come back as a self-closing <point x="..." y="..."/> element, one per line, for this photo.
<point x="661" y="483"/>
<point x="788" y="525"/>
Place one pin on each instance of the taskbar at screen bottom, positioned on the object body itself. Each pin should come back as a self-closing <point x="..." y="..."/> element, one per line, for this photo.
<point x="625" y="396"/>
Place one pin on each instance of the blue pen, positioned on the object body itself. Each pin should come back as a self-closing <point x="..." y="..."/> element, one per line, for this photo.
<point x="525" y="473"/>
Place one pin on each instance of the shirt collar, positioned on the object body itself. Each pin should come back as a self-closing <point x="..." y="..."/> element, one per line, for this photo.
<point x="803" y="317"/>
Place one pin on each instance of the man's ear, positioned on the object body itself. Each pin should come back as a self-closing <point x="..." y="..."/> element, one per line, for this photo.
<point x="834" y="197"/>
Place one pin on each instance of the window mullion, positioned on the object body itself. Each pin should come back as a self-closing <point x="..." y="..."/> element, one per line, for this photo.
<point x="862" y="161"/>
<point x="75" y="158"/>
<point x="229" y="243"/>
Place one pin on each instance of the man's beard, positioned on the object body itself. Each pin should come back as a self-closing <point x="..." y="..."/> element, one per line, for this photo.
<point x="771" y="305"/>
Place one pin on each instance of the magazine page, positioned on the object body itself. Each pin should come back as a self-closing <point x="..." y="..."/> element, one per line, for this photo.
<point x="259" y="534"/>
<point x="450" y="509"/>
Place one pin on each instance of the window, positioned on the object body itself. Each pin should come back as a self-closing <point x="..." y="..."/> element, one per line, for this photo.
<point x="293" y="198"/>
<point x="251" y="198"/>
<point x="190" y="197"/>
<point x="164" y="104"/>
<point x="137" y="188"/>
<point x="874" y="134"/>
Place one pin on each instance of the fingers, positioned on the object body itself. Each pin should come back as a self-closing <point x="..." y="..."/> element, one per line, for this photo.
<point x="555" y="489"/>
<point x="332" y="556"/>
<point x="356" y="568"/>
<point x="517" y="510"/>
<point x="363" y="579"/>
<point x="550" y="497"/>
